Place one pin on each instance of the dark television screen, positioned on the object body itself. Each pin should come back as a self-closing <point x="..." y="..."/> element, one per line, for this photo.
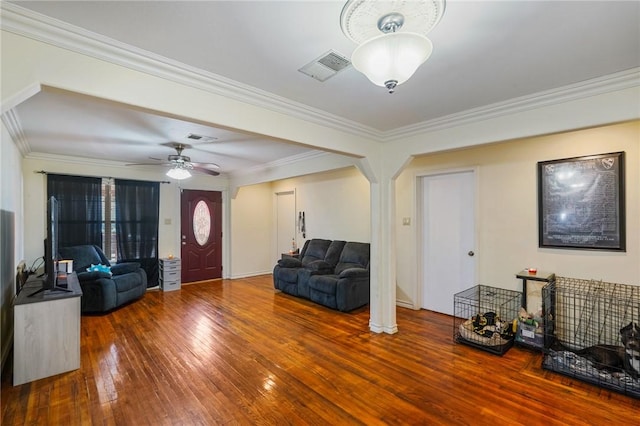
<point x="51" y="244"/>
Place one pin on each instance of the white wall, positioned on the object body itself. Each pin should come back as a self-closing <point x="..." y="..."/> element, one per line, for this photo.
<point x="11" y="231"/>
<point x="507" y="224"/>
<point x="252" y="225"/>
<point x="336" y="204"/>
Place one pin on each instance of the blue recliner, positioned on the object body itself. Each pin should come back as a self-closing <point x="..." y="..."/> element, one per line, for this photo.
<point x="101" y="291"/>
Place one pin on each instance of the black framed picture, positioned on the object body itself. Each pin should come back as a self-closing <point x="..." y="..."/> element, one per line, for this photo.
<point x="581" y="203"/>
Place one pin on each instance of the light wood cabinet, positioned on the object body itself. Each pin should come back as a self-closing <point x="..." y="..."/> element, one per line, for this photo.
<point x="46" y="337"/>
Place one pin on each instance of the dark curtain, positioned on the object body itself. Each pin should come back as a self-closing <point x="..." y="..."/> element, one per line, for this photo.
<point x="80" y="209"/>
<point x="137" y="214"/>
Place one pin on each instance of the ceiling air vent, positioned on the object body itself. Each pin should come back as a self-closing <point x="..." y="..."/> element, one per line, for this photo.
<point x="326" y="66"/>
<point x="201" y="138"/>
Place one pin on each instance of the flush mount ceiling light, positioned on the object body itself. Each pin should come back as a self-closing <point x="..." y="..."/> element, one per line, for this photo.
<point x="391" y="36"/>
<point x="179" y="172"/>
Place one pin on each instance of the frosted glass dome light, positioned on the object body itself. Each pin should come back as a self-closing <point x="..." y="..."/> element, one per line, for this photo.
<point x="179" y="173"/>
<point x="391" y="37"/>
<point x="391" y="59"/>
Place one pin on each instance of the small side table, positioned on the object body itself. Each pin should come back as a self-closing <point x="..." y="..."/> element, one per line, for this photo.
<point x="528" y="335"/>
<point x="292" y="255"/>
<point x="540" y="276"/>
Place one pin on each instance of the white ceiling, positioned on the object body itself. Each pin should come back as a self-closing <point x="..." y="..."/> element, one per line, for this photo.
<point x="485" y="52"/>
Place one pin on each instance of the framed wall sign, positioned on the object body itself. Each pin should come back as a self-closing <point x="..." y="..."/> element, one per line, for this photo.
<point x="581" y="203"/>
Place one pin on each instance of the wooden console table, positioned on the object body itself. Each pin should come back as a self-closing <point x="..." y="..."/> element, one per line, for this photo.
<point x="47" y="331"/>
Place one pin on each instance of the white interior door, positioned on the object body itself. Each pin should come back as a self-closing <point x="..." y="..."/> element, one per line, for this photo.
<point x="448" y="238"/>
<point x="286" y="221"/>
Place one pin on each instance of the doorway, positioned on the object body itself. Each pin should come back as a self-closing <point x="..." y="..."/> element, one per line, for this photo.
<point x="447" y="240"/>
<point x="285" y="221"/>
<point x="201" y="235"/>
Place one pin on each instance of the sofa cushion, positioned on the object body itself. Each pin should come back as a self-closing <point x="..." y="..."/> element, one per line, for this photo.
<point x="319" y="266"/>
<point x="316" y="250"/>
<point x="324" y="283"/>
<point x="354" y="255"/>
<point x="83" y="256"/>
<point x="333" y="252"/>
<point x="125" y="268"/>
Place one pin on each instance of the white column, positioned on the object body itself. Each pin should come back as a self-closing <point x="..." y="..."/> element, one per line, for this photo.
<point x="383" y="258"/>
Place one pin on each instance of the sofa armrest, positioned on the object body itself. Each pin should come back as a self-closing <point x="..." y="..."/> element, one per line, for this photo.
<point x="124" y="268"/>
<point x="290" y="262"/>
<point x="354" y="273"/>
<point x="92" y="276"/>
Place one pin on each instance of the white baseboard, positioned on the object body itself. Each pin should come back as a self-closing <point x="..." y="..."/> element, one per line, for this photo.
<point x="406" y="304"/>
<point x="250" y="274"/>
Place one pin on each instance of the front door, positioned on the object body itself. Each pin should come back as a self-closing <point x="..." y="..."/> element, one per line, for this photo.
<point x="448" y="238"/>
<point x="201" y="234"/>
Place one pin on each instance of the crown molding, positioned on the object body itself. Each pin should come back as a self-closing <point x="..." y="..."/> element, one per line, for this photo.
<point x="596" y="86"/>
<point x="33" y="25"/>
<point x="74" y="160"/>
<point x="293" y="159"/>
<point x="24" y="22"/>
<point x="14" y="127"/>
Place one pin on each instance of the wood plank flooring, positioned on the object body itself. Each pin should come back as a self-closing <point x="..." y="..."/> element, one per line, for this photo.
<point x="237" y="352"/>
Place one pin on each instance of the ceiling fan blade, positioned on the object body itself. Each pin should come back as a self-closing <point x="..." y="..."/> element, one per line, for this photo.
<point x="206" y="171"/>
<point x="149" y="164"/>
<point x="212" y="165"/>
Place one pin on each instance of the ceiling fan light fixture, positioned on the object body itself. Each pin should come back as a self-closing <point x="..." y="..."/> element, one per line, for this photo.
<point x="178" y="173"/>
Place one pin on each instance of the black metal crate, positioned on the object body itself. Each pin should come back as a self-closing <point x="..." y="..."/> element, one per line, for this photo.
<point x="584" y="328"/>
<point x="484" y="316"/>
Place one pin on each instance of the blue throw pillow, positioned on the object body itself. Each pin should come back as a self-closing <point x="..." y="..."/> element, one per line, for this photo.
<point x="99" y="268"/>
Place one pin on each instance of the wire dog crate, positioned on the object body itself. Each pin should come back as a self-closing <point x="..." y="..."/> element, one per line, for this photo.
<point x="592" y="332"/>
<point x="483" y="317"/>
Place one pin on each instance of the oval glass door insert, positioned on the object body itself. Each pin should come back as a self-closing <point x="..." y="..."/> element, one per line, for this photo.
<point x="201" y="222"/>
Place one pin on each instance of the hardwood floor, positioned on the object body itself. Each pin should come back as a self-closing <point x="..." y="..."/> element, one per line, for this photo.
<point x="236" y="352"/>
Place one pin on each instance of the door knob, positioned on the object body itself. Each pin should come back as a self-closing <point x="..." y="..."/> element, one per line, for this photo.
<point x="471" y="253"/>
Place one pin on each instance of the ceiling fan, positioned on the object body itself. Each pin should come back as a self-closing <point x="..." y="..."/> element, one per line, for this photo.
<point x="181" y="165"/>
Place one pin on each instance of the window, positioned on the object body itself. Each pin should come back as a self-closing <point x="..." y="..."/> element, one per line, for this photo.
<point x="109" y="245"/>
<point x="120" y="216"/>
